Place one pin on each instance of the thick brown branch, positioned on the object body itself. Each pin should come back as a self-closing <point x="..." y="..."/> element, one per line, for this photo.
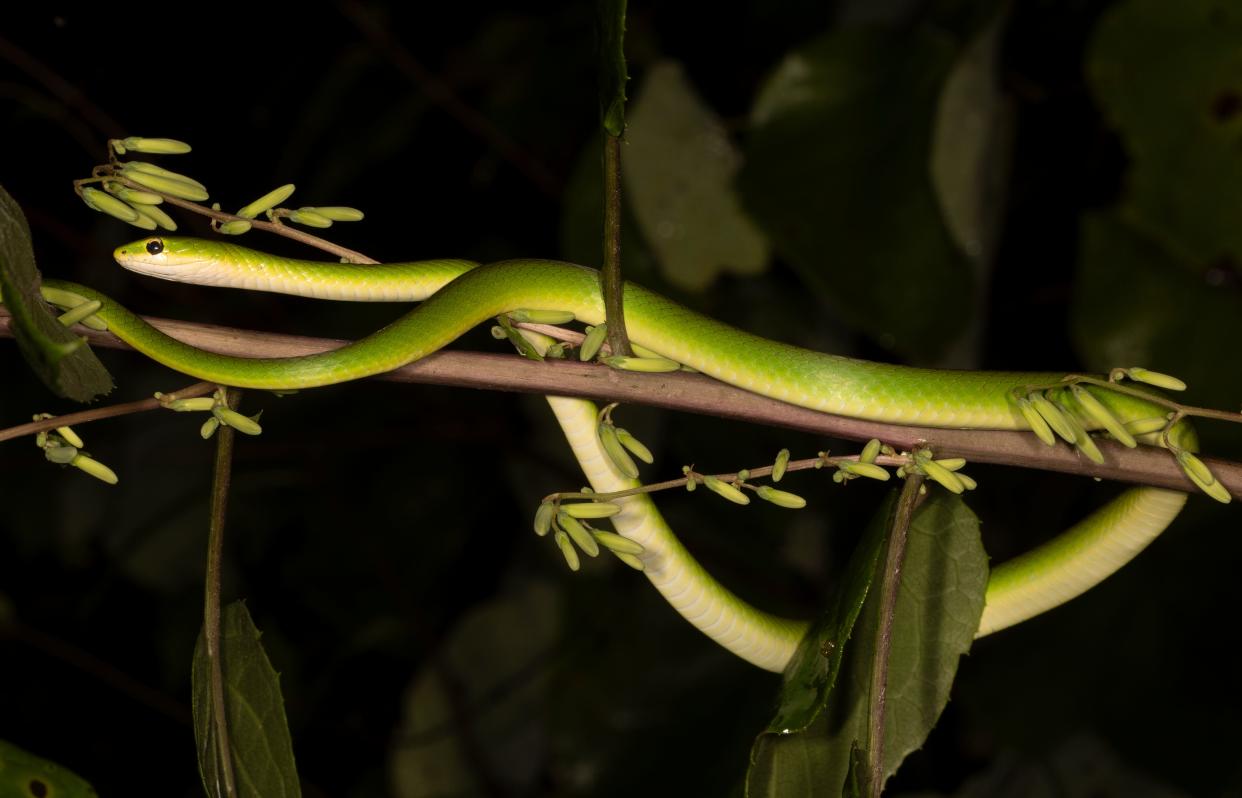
<point x="696" y="393"/>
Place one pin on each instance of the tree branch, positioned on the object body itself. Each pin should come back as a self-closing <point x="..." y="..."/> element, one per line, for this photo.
<point x="697" y="393"/>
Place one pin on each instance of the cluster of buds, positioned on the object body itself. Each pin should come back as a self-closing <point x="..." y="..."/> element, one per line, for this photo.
<point x="63" y="446"/>
<point x="221" y="413"/>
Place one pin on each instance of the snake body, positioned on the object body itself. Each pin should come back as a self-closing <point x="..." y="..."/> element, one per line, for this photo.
<point x="458" y="296"/>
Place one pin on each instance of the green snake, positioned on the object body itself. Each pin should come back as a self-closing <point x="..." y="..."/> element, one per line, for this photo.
<point x="458" y="295"/>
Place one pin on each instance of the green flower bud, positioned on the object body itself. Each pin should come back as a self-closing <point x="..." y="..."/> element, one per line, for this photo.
<point x="592" y="342"/>
<point x="647" y="364"/>
<point x="1102" y="415"/>
<point x="617" y="543"/>
<point x="95" y="468"/>
<point x="268" y="201"/>
<point x="952" y="463"/>
<point x="1036" y="422"/>
<point x="1155" y="378"/>
<point x="194" y="404"/>
<point x="567" y="550"/>
<point x="341" y="213"/>
<point x="616" y="453"/>
<point x="781" y="498"/>
<point x="151" y="169"/>
<point x="726" y="490"/>
<point x="243" y="424"/>
<point x="591" y="509"/>
<point x="942" y="475"/>
<point x="157" y="216"/>
<point x="782" y="462"/>
<point x="967" y="482"/>
<point x="1195" y="468"/>
<point x="106" y="203"/>
<point x="1053" y="415"/>
<point x="870" y="451"/>
<point x="868" y="470"/>
<point x="308" y="217"/>
<point x="72" y="438"/>
<point x="630" y="560"/>
<point x="153" y="146"/>
<point x="578" y="533"/>
<point x="1145" y="426"/>
<point x="171" y="186"/>
<point x="61" y="455"/>
<point x="75" y="315"/>
<point x="635" y="446"/>
<point x="234" y="227"/>
<point x="543" y="518"/>
<point x="132" y="195"/>
<point x="535" y="316"/>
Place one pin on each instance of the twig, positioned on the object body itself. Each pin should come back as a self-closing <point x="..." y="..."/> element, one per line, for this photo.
<point x="613" y="285"/>
<point x="697" y="393"/>
<point x="222" y="476"/>
<point x="111" y="411"/>
<point x="442" y="95"/>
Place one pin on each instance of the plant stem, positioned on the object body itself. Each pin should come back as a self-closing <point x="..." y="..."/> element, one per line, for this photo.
<point x="890" y="584"/>
<point x="697" y="393"/>
<point x="211" y="600"/>
<point x="613" y="285"/>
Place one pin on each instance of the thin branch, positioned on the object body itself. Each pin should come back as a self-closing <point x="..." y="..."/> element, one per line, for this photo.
<point x="441" y="94"/>
<point x="223" y="474"/>
<point x="697" y="393"/>
<point x="613" y="286"/>
<point x="110" y="411"/>
<point x="898" y="535"/>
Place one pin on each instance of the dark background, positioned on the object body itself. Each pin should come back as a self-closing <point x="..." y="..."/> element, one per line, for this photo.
<point x="380" y="533"/>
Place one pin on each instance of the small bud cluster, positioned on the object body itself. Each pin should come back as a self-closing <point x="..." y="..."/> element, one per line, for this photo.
<point x="63" y="446"/>
<point x="221" y="413"/>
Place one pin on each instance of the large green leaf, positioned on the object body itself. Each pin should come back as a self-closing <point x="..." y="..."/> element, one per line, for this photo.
<point x="837" y="174"/>
<point x="259" y="741"/>
<point x="1169" y="77"/>
<point x="679" y="166"/>
<point x="58" y="356"/>
<point x="1137" y="305"/>
<point x="493" y="670"/>
<point x="937" y="614"/>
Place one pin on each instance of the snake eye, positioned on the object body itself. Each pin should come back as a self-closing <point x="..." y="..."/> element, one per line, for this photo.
<point x="155" y="246"/>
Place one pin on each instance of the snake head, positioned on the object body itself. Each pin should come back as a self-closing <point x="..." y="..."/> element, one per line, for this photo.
<point x="186" y="260"/>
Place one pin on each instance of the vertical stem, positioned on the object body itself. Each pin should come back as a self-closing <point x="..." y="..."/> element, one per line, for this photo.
<point x="222" y="476"/>
<point x="614" y="312"/>
<point x="890" y="584"/>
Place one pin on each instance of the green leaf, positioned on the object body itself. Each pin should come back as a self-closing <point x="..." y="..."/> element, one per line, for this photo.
<point x="679" y="166"/>
<point x="970" y="145"/>
<point x="1169" y="78"/>
<point x="22" y="774"/>
<point x="937" y="614"/>
<point x="837" y="174"/>
<point x="612" y="72"/>
<point x="493" y="669"/>
<point x="258" y="731"/>
<point x="54" y="353"/>
<point x="1136" y="304"/>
